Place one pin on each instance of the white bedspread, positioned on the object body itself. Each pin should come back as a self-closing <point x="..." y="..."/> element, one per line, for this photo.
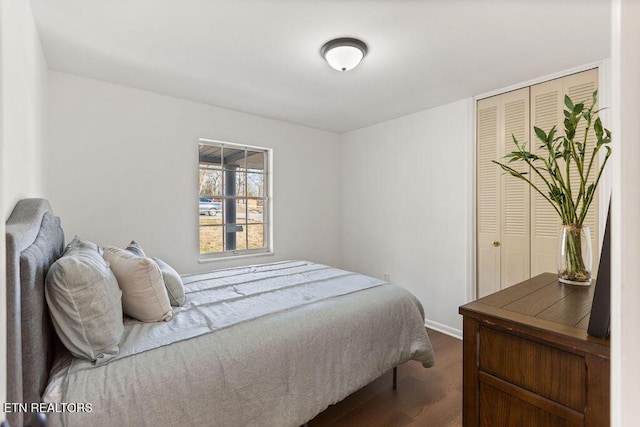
<point x="266" y="345"/>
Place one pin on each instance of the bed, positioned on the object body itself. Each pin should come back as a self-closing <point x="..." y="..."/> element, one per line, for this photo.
<point x="265" y="345"/>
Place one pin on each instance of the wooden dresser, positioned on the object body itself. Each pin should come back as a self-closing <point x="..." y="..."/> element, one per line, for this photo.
<point x="528" y="361"/>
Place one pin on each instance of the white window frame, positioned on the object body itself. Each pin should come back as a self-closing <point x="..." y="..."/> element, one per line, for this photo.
<point x="267" y="220"/>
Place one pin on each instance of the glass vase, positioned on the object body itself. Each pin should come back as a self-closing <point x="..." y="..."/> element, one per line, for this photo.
<point x="575" y="257"/>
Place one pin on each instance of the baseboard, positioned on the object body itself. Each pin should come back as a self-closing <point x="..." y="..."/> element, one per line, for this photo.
<point x="456" y="333"/>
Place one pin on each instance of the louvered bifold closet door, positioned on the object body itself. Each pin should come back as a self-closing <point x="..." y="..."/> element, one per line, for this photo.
<point x="547" y="110"/>
<point x="502" y="200"/>
<point x="488" y="195"/>
<point x="515" y="217"/>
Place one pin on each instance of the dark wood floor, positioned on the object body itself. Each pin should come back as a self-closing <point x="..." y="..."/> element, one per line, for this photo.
<point x="425" y="397"/>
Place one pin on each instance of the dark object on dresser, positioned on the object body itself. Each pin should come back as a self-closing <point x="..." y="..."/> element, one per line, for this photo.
<point x="601" y="307"/>
<point x="528" y="360"/>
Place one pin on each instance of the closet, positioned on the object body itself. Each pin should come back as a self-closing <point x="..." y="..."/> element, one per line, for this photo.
<point x="517" y="230"/>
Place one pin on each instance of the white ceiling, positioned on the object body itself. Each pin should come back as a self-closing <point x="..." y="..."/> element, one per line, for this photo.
<point x="262" y="56"/>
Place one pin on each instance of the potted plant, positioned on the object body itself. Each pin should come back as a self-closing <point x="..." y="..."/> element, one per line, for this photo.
<point x="561" y="160"/>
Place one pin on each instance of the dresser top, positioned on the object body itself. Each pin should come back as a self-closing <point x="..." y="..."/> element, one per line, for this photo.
<point x="543" y="303"/>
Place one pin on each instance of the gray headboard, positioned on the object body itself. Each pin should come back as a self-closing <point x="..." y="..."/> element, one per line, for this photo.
<point x="34" y="241"/>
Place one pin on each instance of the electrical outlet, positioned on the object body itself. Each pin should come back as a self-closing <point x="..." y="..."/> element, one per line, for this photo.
<point x="387" y="277"/>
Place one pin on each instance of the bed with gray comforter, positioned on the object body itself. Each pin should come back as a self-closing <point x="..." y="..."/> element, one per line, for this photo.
<point x="264" y="345"/>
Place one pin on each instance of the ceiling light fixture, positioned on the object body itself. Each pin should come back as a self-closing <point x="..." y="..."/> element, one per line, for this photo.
<point x="344" y="54"/>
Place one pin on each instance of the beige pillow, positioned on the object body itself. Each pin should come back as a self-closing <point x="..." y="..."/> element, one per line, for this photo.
<point x="172" y="280"/>
<point x="144" y="296"/>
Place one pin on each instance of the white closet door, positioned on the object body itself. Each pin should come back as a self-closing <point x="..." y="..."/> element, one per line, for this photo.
<point x="515" y="215"/>
<point x="502" y="200"/>
<point x="488" y="195"/>
<point x="547" y="110"/>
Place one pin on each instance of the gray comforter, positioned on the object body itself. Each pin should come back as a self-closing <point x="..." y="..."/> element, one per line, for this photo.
<point x="267" y="345"/>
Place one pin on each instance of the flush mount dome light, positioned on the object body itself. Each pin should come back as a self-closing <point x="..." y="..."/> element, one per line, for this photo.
<point x="344" y="54"/>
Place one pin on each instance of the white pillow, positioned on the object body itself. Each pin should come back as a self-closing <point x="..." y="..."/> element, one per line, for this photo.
<point x="173" y="283"/>
<point x="135" y="249"/>
<point x="144" y="296"/>
<point x="85" y="305"/>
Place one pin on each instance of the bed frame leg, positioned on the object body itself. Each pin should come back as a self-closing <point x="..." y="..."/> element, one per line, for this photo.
<point x="395" y="378"/>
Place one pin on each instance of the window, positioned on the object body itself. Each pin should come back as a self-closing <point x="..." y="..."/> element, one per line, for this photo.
<point x="233" y="200"/>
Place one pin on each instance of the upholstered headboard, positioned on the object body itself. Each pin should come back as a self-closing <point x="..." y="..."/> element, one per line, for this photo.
<point x="34" y="241"/>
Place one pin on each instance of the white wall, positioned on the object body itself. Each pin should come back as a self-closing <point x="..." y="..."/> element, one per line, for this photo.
<point x="122" y="165"/>
<point x="23" y="127"/>
<point x="3" y="263"/>
<point x="23" y="98"/>
<point x="625" y="227"/>
<point x="24" y="76"/>
<point x="408" y="206"/>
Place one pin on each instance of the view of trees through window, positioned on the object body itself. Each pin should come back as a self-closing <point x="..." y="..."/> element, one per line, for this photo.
<point x="233" y="190"/>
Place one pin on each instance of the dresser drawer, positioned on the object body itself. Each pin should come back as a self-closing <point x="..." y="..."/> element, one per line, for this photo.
<point x="549" y="372"/>
<point x="502" y="409"/>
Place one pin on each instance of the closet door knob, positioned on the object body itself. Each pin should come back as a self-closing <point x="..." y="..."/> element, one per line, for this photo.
<point x="495" y="243"/>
